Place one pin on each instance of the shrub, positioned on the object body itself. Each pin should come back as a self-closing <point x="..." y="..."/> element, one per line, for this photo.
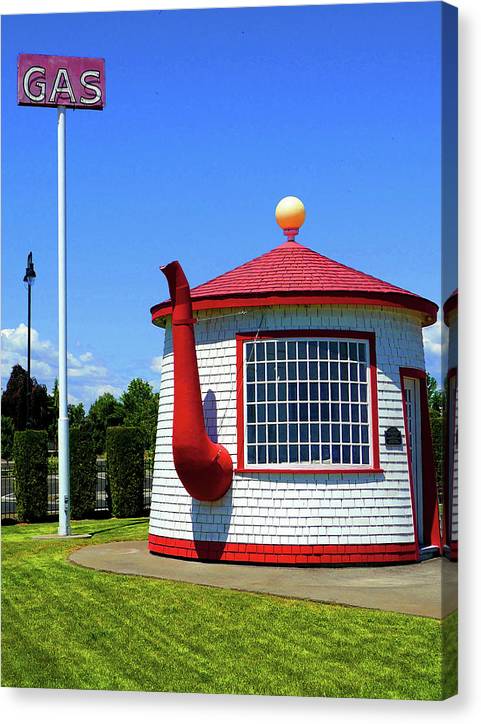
<point x="8" y="431"/>
<point x="125" y="471"/>
<point x="30" y="452"/>
<point x="83" y="473"/>
<point x="52" y="465"/>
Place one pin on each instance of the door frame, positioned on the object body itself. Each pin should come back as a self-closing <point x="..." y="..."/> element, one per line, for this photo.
<point x="415" y="452"/>
<point x="430" y="511"/>
<point x="450" y="430"/>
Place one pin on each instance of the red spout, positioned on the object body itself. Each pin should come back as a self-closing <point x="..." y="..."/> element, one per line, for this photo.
<point x="204" y="467"/>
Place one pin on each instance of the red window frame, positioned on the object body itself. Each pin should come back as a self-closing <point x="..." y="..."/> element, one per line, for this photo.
<point x="242" y="337"/>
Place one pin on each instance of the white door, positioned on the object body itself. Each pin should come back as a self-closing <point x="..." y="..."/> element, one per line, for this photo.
<point x="413" y="414"/>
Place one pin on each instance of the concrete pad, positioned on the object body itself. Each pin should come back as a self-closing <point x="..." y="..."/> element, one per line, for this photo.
<point x="422" y="589"/>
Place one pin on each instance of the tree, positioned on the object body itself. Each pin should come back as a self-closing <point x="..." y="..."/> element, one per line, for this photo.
<point x="14" y="398"/>
<point x="53" y="412"/>
<point x="14" y="401"/>
<point x="141" y="408"/>
<point x="436" y="404"/>
<point x="8" y="431"/>
<point x="76" y="414"/>
<point x="435" y="393"/>
<point x="105" y="412"/>
<point x="39" y="415"/>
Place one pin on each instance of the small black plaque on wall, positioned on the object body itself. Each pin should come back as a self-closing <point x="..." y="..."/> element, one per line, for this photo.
<point x="393" y="436"/>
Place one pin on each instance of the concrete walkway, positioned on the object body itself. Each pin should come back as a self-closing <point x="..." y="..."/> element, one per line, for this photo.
<point x="413" y="588"/>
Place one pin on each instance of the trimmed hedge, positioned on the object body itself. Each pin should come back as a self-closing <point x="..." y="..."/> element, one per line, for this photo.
<point x="83" y="473"/>
<point x="125" y="471"/>
<point x="30" y="452"/>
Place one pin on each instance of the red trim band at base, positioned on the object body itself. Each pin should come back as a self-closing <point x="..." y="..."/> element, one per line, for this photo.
<point x="278" y="554"/>
<point x="451" y="550"/>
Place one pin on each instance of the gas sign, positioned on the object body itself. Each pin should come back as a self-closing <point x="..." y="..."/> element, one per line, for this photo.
<point x="55" y="80"/>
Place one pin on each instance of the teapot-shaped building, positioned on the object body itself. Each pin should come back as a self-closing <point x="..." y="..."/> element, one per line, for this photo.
<point x="293" y="421"/>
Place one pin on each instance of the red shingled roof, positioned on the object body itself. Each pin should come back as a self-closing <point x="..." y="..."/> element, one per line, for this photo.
<point x="450" y="304"/>
<point x="293" y="274"/>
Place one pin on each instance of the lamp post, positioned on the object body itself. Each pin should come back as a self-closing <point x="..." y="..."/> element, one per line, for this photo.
<point x="29" y="280"/>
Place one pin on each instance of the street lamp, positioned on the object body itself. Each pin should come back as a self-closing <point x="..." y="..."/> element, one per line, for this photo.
<point x="29" y="280"/>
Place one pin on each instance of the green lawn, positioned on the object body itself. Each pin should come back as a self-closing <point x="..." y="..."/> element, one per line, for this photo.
<point x="64" y="626"/>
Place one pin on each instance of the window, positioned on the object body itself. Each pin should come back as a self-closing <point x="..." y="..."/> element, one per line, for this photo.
<point x="307" y="402"/>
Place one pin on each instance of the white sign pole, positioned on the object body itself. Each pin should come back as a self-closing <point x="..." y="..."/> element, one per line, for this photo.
<point x="63" y="427"/>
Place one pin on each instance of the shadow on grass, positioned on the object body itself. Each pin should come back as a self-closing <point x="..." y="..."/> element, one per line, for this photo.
<point x="141" y="521"/>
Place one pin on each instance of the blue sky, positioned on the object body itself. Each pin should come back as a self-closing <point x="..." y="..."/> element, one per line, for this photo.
<point x="212" y="116"/>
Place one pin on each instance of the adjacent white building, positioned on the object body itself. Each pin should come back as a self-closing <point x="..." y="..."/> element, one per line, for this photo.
<point x="451" y="469"/>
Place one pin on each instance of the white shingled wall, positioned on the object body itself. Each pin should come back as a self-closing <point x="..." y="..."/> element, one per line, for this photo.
<point x="454" y="464"/>
<point x="269" y="508"/>
<point x="453" y="412"/>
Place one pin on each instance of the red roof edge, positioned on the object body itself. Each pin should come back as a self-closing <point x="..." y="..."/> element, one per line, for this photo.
<point x="450" y="305"/>
<point x="388" y="299"/>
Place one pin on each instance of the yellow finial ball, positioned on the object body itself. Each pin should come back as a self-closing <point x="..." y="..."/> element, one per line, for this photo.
<point x="290" y="213"/>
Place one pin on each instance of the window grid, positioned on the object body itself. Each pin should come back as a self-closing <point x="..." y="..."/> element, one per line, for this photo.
<point x="307" y="402"/>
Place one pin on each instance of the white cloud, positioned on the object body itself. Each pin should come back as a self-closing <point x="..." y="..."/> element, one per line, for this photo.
<point x="94" y="391"/>
<point x="434" y="348"/>
<point x="77" y="366"/>
<point x="14" y="351"/>
<point x="87" y="378"/>
<point x="432" y="339"/>
<point x="156" y="364"/>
